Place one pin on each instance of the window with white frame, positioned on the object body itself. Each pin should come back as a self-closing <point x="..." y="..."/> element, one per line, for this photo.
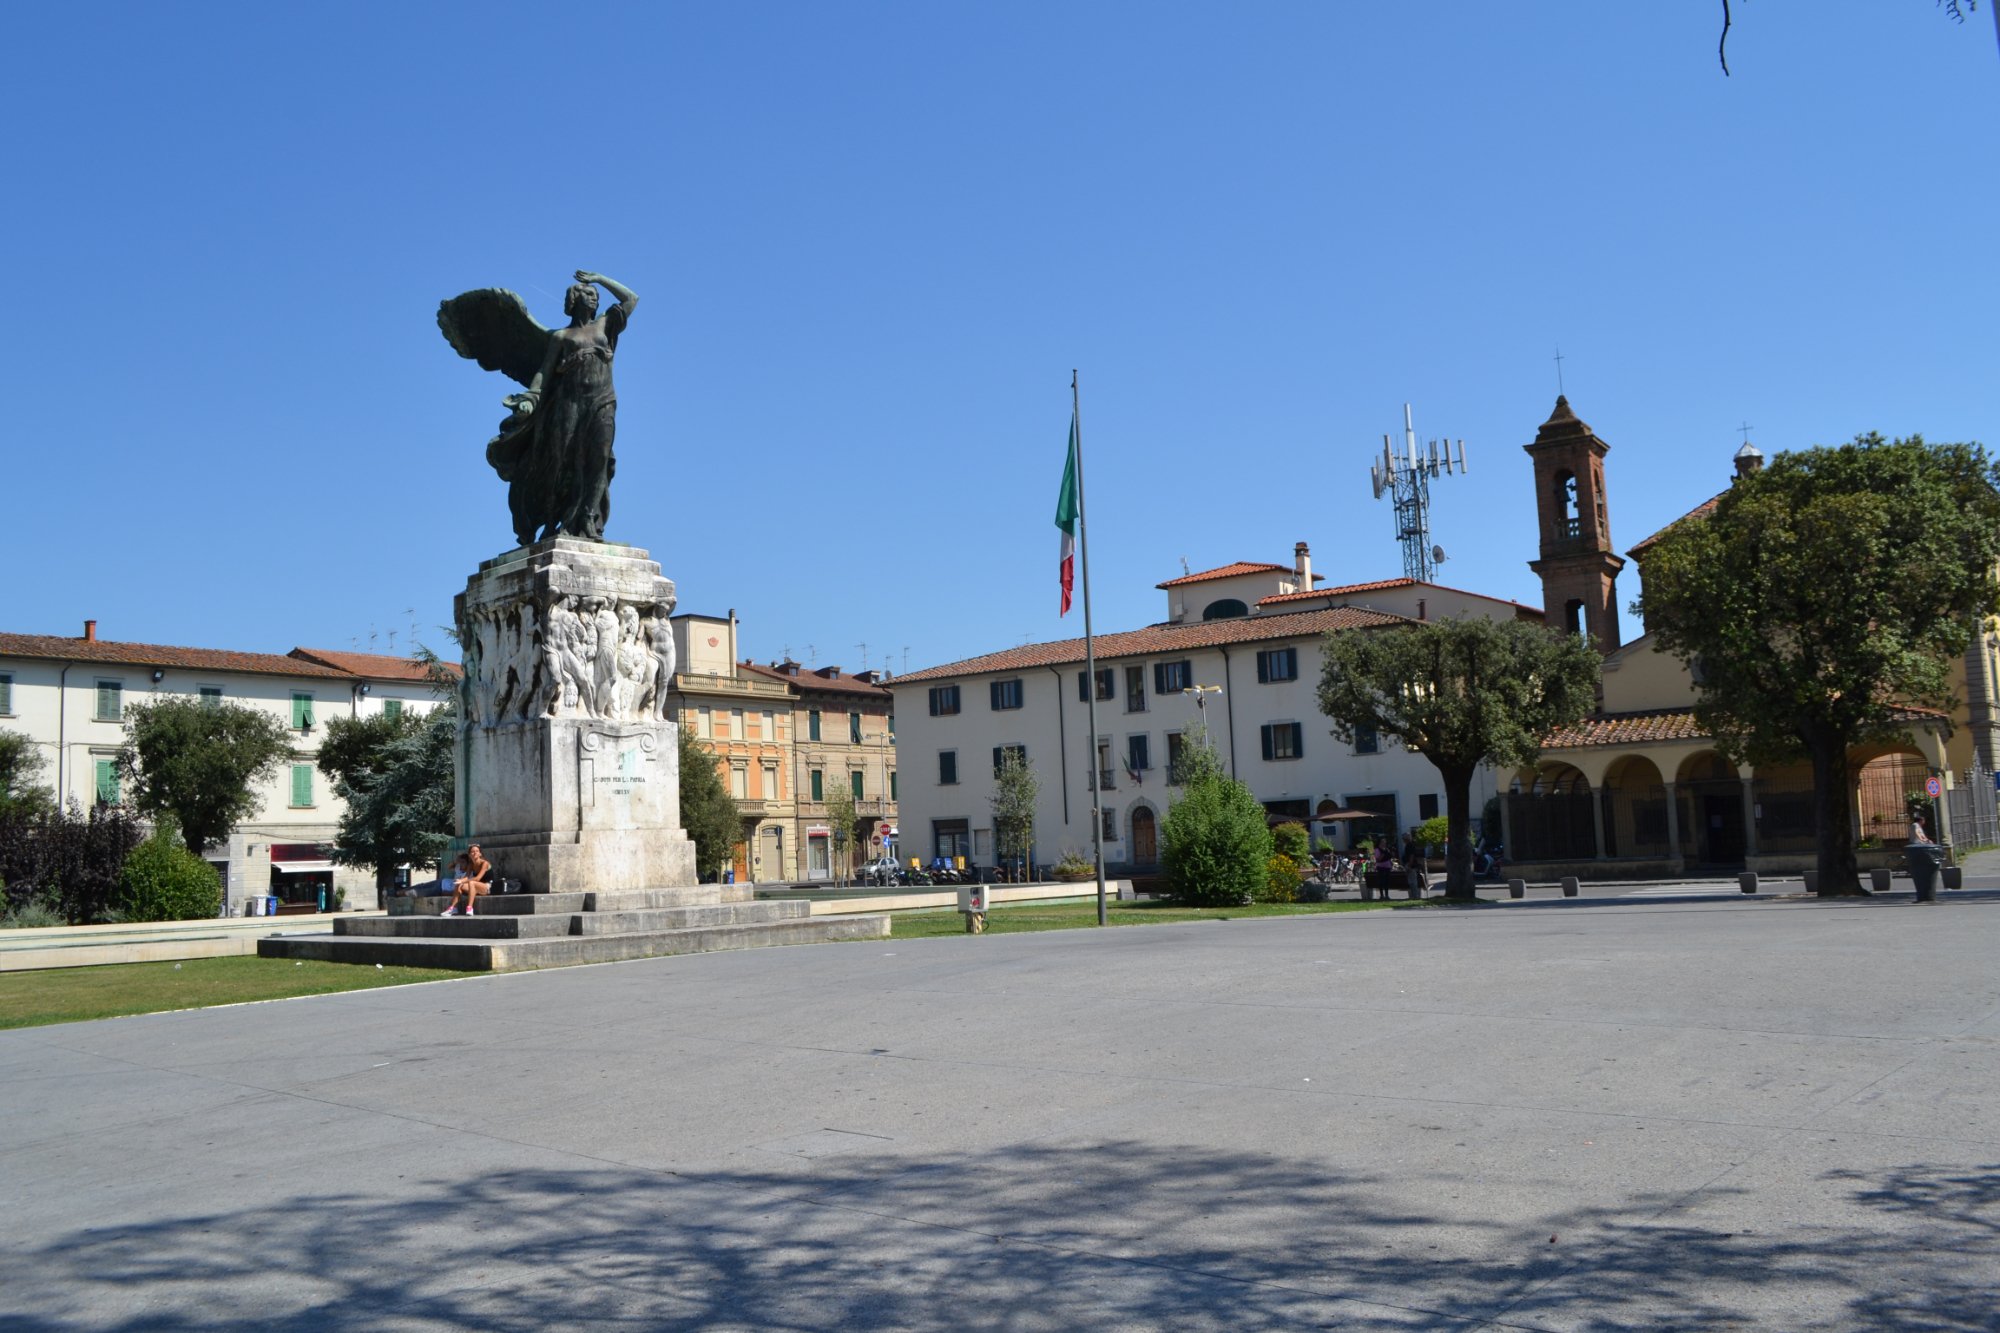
<point x="1135" y="689"/>
<point x="110" y="701"/>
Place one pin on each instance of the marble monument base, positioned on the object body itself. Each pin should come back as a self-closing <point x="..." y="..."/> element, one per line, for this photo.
<point x="568" y="767"/>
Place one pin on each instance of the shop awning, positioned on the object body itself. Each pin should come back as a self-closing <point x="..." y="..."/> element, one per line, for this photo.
<point x="300" y="867"/>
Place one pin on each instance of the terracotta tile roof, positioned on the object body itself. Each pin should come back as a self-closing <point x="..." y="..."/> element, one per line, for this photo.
<point x="62" y="648"/>
<point x="1656" y="724"/>
<point x="376" y="666"/>
<point x="1702" y="510"/>
<point x="1227" y="572"/>
<point x="1668" y="724"/>
<point x="812" y="680"/>
<point x="1156" y="639"/>
<point x="1382" y="585"/>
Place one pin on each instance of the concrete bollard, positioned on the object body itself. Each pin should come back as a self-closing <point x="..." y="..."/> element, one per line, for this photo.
<point x="1878" y="879"/>
<point x="1812" y="881"/>
<point x="1954" y="877"/>
<point x="1747" y="881"/>
<point x="1570" y="886"/>
<point x="1517" y="888"/>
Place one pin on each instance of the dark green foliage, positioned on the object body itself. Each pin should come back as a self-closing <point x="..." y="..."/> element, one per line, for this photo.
<point x="1215" y="841"/>
<point x="1433" y="832"/>
<point x="1289" y="839"/>
<point x="1461" y="693"/>
<point x="21" y="764"/>
<point x="1820" y="594"/>
<point x="708" y="811"/>
<point x="66" y="860"/>
<point x="395" y="778"/>
<point x="198" y="762"/>
<point x="164" y="881"/>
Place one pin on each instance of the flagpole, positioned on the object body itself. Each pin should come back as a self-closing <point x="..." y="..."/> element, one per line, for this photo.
<point x="1089" y="654"/>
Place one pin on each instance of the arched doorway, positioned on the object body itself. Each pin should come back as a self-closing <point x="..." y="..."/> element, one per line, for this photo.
<point x="1711" y="810"/>
<point x="1145" y="838"/>
<point x="1635" y="809"/>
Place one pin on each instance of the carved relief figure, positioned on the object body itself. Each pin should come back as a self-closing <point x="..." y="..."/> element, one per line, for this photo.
<point x="660" y="633"/>
<point x="604" y="657"/>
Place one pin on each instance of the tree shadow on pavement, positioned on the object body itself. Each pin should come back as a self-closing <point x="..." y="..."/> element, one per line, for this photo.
<point x="1115" y="1234"/>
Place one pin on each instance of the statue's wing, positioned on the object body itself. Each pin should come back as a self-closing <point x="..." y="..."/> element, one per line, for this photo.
<point x="494" y="328"/>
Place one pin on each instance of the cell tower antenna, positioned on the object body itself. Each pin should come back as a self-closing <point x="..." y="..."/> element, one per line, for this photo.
<point x="1406" y="479"/>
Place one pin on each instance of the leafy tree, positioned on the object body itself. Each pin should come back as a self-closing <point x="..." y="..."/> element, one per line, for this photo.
<point x="1821" y="593"/>
<point x="1215" y="840"/>
<point x="708" y="811"/>
<point x="394" y="776"/>
<point x="199" y="761"/>
<point x="1015" y="789"/>
<point x="844" y="823"/>
<point x="1289" y="839"/>
<point x="1461" y="693"/>
<point x="164" y="881"/>
<point x="21" y="763"/>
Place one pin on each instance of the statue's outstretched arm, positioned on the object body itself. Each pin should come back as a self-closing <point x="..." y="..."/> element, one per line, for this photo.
<point x="628" y="300"/>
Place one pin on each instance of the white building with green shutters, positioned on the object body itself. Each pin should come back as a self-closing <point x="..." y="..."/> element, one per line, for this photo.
<point x="68" y="697"/>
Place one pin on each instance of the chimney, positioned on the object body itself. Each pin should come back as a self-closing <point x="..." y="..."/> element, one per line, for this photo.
<point x="1302" y="565"/>
<point x="90" y="631"/>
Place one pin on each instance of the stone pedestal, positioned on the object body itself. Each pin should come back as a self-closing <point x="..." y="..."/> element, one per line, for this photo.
<point x="568" y="767"/>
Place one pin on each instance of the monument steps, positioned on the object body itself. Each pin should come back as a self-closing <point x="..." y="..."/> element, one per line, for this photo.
<point x="542" y="925"/>
<point x="515" y="932"/>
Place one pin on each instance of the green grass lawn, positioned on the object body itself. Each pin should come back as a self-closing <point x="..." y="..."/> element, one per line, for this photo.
<point x="1069" y="916"/>
<point x="70" y="995"/>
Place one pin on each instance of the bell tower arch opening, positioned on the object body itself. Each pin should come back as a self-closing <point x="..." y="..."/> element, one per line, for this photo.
<point x="1578" y="568"/>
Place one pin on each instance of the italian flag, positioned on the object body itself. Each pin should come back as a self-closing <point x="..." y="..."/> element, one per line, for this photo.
<point x="1067" y="505"/>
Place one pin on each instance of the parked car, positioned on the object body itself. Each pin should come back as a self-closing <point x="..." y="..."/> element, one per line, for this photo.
<point x="883" y="870"/>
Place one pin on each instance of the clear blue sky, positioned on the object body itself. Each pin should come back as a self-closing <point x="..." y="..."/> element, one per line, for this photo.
<point x="872" y="240"/>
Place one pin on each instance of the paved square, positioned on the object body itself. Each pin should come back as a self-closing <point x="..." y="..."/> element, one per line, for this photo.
<point x="1715" y="1115"/>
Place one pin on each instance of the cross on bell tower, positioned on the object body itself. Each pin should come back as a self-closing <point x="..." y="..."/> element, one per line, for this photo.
<point x="1578" y="567"/>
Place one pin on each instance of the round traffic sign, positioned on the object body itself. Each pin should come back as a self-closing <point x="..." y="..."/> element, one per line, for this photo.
<point x="1933" y="788"/>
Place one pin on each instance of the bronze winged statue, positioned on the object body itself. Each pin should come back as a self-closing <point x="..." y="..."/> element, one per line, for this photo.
<point x="554" y="448"/>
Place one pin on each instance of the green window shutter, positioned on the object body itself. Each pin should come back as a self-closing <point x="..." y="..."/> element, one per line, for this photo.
<point x="6" y="694"/>
<point x="110" y="701"/>
<point x="854" y="781"/>
<point x="107" y="782"/>
<point x="392" y="708"/>
<point x="812" y="725"/>
<point x="818" y="781"/>
<point x="892" y="784"/>
<point x="302" y="784"/>
<point x="301" y="711"/>
<point x="854" y="728"/>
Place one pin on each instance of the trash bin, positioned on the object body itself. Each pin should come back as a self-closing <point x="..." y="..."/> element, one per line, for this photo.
<point x="1925" y="859"/>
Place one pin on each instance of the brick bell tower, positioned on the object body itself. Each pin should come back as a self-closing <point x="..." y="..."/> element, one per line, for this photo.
<point x="1578" y="567"/>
